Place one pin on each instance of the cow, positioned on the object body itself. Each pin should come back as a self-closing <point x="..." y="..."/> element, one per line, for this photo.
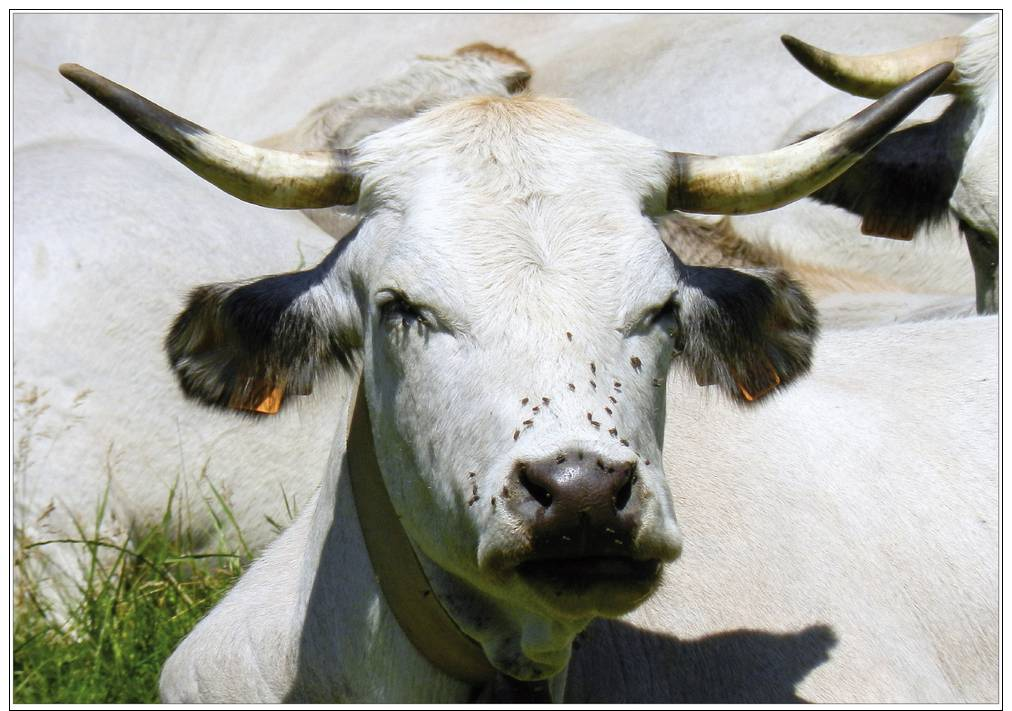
<point x="925" y="171"/>
<point x="514" y="316"/>
<point x="84" y="429"/>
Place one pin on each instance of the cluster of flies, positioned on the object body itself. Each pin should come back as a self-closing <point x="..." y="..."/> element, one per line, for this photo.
<point x="637" y="366"/>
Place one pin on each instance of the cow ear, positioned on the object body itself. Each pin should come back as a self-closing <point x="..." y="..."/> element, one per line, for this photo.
<point x="749" y="331"/>
<point x="246" y="345"/>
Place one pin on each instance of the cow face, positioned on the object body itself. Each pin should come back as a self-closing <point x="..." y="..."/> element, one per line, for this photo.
<point x="515" y="315"/>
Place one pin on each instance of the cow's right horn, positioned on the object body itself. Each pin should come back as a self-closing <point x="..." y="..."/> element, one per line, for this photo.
<point x="874" y="75"/>
<point x="734" y="185"/>
<point x="258" y="175"/>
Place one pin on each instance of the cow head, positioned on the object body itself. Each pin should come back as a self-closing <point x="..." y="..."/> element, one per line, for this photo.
<point x="515" y="315"/>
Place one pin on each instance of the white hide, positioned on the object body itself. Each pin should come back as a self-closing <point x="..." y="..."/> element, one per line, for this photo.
<point x="840" y="547"/>
<point x="546" y="266"/>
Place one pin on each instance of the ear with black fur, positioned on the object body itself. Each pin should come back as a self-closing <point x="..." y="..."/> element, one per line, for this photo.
<point x="244" y="345"/>
<point x="749" y="331"/>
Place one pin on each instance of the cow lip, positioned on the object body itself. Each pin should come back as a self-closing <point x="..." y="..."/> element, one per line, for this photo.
<point x="579" y="573"/>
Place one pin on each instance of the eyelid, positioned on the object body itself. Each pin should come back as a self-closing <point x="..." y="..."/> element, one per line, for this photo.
<point x="432" y="316"/>
<point x="387" y="295"/>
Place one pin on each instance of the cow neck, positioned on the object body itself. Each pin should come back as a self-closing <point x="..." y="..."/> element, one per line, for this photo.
<point x="401" y="579"/>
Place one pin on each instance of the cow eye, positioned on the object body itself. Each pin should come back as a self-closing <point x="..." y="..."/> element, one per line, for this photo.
<point x="666" y="317"/>
<point x="396" y="310"/>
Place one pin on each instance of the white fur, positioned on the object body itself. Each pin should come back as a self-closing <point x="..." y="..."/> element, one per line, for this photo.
<point x="976" y="197"/>
<point x="545" y="266"/>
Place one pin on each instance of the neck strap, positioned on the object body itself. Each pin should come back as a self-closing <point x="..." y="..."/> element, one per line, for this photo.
<point x="401" y="578"/>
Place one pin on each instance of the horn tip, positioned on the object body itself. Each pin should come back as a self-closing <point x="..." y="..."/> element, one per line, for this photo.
<point x="937" y="74"/>
<point x="801" y="51"/>
<point x="73" y="71"/>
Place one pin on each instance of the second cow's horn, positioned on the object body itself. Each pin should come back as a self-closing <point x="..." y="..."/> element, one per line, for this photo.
<point x="733" y="185"/>
<point x="874" y="75"/>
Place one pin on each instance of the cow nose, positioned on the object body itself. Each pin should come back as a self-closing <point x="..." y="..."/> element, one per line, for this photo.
<point x="578" y="505"/>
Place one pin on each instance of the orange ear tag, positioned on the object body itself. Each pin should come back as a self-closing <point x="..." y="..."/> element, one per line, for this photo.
<point x="272" y="403"/>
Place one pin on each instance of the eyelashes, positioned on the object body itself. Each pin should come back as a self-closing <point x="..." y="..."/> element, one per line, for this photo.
<point x="397" y="311"/>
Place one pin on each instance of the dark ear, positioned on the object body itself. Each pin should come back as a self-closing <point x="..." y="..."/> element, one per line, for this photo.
<point x="244" y="345"/>
<point x="907" y="179"/>
<point x="749" y="331"/>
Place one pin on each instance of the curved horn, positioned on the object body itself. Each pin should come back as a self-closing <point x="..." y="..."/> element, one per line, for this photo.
<point x="742" y="184"/>
<point x="257" y="175"/>
<point x="874" y="75"/>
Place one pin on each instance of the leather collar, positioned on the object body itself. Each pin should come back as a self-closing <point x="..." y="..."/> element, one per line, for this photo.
<point x="401" y="578"/>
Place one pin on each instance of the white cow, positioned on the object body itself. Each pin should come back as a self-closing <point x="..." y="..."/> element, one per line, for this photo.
<point x="515" y="316"/>
<point x="923" y="172"/>
<point x="84" y="288"/>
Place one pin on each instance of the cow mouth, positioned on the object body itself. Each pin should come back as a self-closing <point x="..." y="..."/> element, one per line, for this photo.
<point x="576" y="575"/>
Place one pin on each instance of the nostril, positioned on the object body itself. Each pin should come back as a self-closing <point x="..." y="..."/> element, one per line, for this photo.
<point x="540" y="494"/>
<point x="624" y="493"/>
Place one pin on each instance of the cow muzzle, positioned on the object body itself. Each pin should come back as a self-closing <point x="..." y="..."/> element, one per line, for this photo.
<point x="583" y="514"/>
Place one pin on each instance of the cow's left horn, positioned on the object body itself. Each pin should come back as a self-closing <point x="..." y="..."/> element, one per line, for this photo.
<point x="735" y="185"/>
<point x="874" y="75"/>
<point x="258" y="175"/>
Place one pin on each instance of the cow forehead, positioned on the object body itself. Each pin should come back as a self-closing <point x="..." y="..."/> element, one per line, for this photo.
<point x="522" y="200"/>
<point x="497" y="148"/>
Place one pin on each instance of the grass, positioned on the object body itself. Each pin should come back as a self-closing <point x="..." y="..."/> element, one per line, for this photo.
<point x="131" y="606"/>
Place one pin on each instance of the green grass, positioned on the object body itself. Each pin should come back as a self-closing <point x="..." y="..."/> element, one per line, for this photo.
<point x="134" y="604"/>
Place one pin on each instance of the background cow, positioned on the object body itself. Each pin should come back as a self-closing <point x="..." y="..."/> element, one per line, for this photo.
<point x="921" y="173"/>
